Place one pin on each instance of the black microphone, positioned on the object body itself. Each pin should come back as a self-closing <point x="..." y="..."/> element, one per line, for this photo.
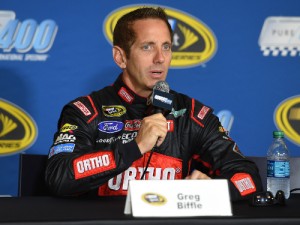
<point x="161" y="99"/>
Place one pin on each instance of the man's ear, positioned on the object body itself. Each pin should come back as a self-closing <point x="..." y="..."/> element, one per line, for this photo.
<point x="119" y="57"/>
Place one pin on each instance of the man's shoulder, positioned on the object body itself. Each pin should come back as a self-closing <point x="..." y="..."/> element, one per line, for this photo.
<point x="198" y="111"/>
<point x="89" y="106"/>
<point x="186" y="100"/>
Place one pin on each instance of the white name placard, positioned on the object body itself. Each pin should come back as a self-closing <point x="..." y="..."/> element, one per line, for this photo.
<point x="178" y="198"/>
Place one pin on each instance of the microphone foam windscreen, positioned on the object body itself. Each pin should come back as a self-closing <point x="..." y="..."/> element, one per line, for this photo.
<point x="162" y="86"/>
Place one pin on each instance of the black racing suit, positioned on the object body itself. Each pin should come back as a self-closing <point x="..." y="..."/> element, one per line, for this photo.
<point x="94" y="150"/>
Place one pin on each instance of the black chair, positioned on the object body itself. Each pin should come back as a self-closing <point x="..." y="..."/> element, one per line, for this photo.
<point x="31" y="175"/>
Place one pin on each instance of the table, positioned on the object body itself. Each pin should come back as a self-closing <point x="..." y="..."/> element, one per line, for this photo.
<point x="109" y="211"/>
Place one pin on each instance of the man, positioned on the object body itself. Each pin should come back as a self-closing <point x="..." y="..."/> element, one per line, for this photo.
<point x="112" y="136"/>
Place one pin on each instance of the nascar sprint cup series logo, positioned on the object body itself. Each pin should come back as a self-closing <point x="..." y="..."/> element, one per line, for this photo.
<point x="25" y="40"/>
<point x="287" y="118"/>
<point x="18" y="130"/>
<point x="193" y="42"/>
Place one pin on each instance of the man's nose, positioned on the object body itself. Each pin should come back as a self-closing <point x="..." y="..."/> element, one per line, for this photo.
<point x="159" y="56"/>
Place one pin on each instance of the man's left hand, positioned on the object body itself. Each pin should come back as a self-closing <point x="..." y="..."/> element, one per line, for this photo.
<point x="197" y="175"/>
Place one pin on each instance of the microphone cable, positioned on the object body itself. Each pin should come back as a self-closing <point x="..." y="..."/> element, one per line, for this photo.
<point x="147" y="164"/>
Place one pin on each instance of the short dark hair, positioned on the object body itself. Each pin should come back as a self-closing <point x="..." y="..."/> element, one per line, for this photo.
<point x="124" y="35"/>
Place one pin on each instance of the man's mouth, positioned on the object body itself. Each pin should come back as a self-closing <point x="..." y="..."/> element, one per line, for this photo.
<point x="156" y="72"/>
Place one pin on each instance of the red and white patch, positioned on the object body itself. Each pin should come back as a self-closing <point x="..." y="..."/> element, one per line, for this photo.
<point x="244" y="183"/>
<point x="132" y="125"/>
<point x="92" y="164"/>
<point x="123" y="93"/>
<point x="82" y="108"/>
<point x="170" y="125"/>
<point x="202" y="113"/>
<point x="161" y="167"/>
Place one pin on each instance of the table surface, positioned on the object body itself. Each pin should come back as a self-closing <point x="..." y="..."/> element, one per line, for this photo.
<point x="109" y="210"/>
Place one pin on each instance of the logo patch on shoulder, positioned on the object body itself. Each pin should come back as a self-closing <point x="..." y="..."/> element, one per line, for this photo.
<point x="82" y="108"/>
<point x="203" y="111"/>
<point x="68" y="127"/>
<point x="68" y="147"/>
<point x="244" y="183"/>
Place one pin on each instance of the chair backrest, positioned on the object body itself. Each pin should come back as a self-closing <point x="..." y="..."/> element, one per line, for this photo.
<point x="261" y="163"/>
<point x="31" y="175"/>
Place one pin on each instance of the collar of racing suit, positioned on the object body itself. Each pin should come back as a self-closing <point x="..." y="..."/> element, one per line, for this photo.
<point x="126" y="94"/>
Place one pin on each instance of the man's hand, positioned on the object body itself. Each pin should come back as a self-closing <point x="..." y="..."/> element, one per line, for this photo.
<point x="152" y="132"/>
<point x="197" y="175"/>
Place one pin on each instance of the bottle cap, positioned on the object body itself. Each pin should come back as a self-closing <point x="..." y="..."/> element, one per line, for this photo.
<point x="278" y="134"/>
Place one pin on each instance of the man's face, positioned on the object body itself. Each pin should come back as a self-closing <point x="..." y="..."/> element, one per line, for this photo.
<point x="150" y="56"/>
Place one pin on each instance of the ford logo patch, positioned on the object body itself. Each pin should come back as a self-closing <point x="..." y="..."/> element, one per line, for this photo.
<point x="110" y="126"/>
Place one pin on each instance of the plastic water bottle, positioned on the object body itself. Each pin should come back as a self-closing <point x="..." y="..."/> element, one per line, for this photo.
<point x="278" y="165"/>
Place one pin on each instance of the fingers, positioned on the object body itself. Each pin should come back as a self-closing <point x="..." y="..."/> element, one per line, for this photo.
<point x="197" y="175"/>
<point x="152" y="132"/>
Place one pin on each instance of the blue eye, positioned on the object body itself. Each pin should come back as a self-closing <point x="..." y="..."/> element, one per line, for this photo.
<point x="166" y="47"/>
<point x="146" y="47"/>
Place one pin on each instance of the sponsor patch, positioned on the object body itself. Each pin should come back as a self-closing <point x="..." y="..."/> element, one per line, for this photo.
<point x="161" y="167"/>
<point x="244" y="183"/>
<point x="124" y="137"/>
<point x="61" y="148"/>
<point x="170" y="125"/>
<point x="132" y="125"/>
<point x="64" y="137"/>
<point x="128" y="137"/>
<point x="82" y="108"/>
<point x="113" y="110"/>
<point x="109" y="140"/>
<point x="124" y="94"/>
<point x="221" y="129"/>
<point x="110" y="126"/>
<point x="68" y="127"/>
<point x="91" y="164"/>
<point x="178" y="113"/>
<point x="202" y="113"/>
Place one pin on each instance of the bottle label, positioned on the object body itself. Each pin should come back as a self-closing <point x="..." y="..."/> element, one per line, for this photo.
<point x="280" y="169"/>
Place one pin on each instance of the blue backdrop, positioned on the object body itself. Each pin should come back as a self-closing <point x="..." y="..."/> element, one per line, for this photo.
<point x="246" y="67"/>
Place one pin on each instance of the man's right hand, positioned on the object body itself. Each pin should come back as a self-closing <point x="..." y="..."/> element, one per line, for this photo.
<point x="152" y="132"/>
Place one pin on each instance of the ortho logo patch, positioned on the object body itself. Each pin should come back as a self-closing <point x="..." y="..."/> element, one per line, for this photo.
<point x="244" y="183"/>
<point x="92" y="164"/>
